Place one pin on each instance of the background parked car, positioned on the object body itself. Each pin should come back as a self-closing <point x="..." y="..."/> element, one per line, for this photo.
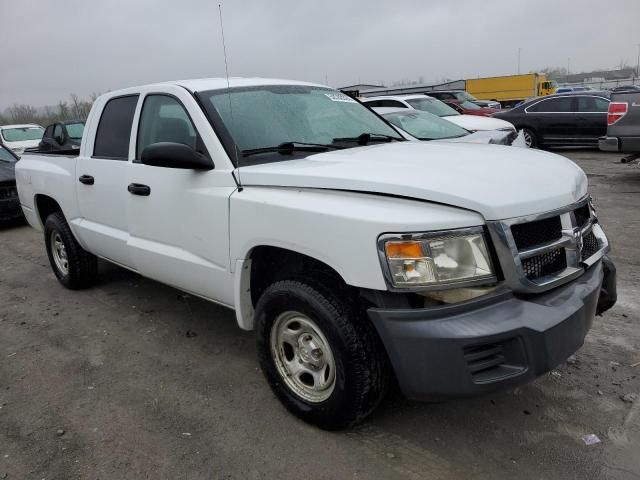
<point x="566" y="119"/>
<point x="62" y="136"/>
<point x="623" y="122"/>
<point x="425" y="103"/>
<point x="9" y="203"/>
<point x="19" y="137"/>
<point x="573" y="89"/>
<point x="462" y="102"/>
<point x="426" y="126"/>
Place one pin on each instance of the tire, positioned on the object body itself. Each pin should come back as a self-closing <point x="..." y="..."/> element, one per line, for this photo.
<point x="530" y="138"/>
<point x="360" y="366"/>
<point x="81" y="266"/>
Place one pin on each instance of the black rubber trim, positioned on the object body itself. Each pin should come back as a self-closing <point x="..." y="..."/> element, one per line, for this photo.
<point x="434" y="313"/>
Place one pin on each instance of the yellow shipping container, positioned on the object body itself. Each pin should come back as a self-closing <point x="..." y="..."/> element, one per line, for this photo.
<point x="510" y="89"/>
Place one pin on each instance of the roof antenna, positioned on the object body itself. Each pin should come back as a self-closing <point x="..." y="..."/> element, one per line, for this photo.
<point x="226" y="68"/>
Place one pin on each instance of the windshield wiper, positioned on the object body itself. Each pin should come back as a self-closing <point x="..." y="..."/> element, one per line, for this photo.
<point x="365" y="138"/>
<point x="287" y="148"/>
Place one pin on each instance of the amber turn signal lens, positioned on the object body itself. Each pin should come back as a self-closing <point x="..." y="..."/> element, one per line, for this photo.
<point x="403" y="250"/>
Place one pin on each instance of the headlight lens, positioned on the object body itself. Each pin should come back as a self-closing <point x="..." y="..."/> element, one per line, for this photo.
<point x="438" y="258"/>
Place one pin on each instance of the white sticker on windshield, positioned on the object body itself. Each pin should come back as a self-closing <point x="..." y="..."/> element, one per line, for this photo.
<point x="340" y="97"/>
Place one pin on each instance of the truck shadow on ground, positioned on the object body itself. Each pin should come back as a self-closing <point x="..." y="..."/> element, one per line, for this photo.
<point x="546" y="417"/>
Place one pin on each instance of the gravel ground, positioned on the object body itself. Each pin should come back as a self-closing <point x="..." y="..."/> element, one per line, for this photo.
<point x="133" y="379"/>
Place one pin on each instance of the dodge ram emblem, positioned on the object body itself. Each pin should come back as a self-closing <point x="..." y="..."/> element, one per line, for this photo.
<point x="577" y="239"/>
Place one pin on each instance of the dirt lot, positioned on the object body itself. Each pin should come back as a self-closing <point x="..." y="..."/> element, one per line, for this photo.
<point x="133" y="379"/>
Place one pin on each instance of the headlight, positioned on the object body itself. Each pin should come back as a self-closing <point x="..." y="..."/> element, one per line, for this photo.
<point x="437" y="259"/>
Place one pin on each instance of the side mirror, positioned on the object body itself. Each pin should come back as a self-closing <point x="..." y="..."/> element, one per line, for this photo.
<point x="59" y="139"/>
<point x="174" y="155"/>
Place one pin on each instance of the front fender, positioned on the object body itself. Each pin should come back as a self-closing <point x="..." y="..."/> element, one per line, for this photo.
<point x="337" y="228"/>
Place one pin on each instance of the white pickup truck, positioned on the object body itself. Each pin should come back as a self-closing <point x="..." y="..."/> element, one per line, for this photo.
<point x="357" y="256"/>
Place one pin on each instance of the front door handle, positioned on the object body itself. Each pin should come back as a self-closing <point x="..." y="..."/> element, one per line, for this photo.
<point x="86" y="179"/>
<point x="139" y="189"/>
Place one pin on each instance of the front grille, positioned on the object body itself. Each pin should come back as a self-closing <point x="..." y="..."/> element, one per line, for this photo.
<point x="544" y="264"/>
<point x="590" y="245"/>
<point x="582" y="215"/>
<point x="8" y="192"/>
<point x="531" y="234"/>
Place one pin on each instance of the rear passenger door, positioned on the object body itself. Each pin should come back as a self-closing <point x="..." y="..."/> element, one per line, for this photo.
<point x="179" y="224"/>
<point x="101" y="176"/>
<point x="592" y="117"/>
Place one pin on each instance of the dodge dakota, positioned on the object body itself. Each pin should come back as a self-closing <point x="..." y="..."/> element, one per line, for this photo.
<point x="360" y="258"/>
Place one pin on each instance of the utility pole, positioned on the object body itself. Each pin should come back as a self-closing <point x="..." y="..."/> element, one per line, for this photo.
<point x="638" y="64"/>
<point x="519" y="60"/>
<point x="568" y="68"/>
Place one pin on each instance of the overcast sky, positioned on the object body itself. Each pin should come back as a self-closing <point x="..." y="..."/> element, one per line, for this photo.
<point x="52" y="48"/>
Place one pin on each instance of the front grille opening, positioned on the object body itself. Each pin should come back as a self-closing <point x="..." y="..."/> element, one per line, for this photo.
<point x="544" y="264"/>
<point x="590" y="245"/>
<point x="539" y="232"/>
<point x="582" y="215"/>
<point x="8" y="192"/>
<point x="495" y="361"/>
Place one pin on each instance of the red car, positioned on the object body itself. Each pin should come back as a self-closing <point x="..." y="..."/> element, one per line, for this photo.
<point x="463" y="102"/>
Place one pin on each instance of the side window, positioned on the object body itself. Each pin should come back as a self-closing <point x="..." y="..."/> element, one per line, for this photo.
<point x="164" y="119"/>
<point x="593" y="104"/>
<point x="553" y="105"/>
<point x="392" y="103"/>
<point x="57" y="132"/>
<point x="114" y="129"/>
<point x="48" y="133"/>
<point x="372" y="103"/>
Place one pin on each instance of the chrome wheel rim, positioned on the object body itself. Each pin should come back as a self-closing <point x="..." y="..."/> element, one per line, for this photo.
<point x="528" y="140"/>
<point x="303" y="357"/>
<point x="59" y="252"/>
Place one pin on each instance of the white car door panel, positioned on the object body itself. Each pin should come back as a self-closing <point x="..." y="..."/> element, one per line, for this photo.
<point x="178" y="233"/>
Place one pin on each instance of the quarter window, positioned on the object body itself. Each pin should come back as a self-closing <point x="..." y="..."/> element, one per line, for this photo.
<point x="593" y="104"/>
<point x="114" y="129"/>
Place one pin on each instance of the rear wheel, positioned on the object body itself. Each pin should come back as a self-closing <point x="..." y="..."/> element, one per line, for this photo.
<point x="530" y="138"/>
<point x="321" y="357"/>
<point x="74" y="267"/>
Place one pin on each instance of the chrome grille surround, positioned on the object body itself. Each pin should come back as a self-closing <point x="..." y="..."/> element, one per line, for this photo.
<point x="571" y="242"/>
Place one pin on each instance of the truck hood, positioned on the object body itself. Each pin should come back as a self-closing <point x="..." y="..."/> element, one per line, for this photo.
<point x="496" y="181"/>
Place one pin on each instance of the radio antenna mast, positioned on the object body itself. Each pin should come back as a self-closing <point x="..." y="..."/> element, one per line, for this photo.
<point x="226" y="69"/>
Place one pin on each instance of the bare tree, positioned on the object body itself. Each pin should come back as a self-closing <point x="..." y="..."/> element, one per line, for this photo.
<point x="22" y="114"/>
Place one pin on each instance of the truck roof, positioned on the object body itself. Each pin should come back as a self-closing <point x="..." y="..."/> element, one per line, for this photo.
<point x="203" y="84"/>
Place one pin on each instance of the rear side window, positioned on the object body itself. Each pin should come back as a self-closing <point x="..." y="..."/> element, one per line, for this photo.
<point x="392" y="103"/>
<point x="553" y="105"/>
<point x="114" y="129"/>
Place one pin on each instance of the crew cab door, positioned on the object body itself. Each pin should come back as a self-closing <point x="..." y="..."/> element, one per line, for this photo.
<point x="178" y="217"/>
<point x="101" y="176"/>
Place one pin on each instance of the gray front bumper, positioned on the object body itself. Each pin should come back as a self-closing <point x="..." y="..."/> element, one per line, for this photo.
<point x="489" y="343"/>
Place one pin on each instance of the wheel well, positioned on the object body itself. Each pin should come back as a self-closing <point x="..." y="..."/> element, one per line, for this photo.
<point x="45" y="206"/>
<point x="271" y="264"/>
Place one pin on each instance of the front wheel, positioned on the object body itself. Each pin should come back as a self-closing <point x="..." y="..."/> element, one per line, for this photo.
<point x="530" y="138"/>
<point x="322" y="359"/>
